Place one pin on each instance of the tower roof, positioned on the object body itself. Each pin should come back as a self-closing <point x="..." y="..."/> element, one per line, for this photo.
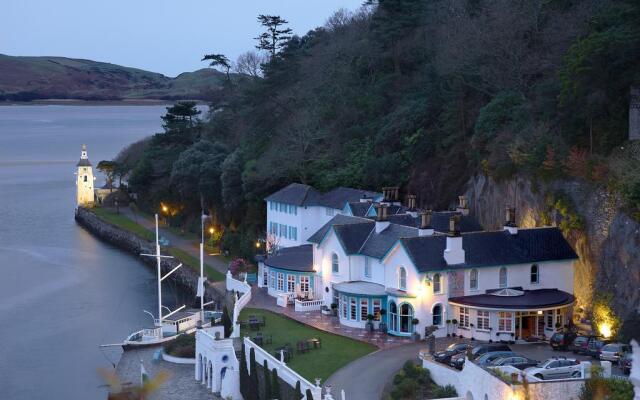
<point x="84" y="159"/>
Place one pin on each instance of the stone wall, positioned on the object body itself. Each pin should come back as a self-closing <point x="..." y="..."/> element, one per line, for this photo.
<point x="185" y="277"/>
<point x="608" y="245"/>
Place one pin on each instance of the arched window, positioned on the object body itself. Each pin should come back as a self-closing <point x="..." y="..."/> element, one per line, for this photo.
<point x="406" y="317"/>
<point x="335" y="265"/>
<point x="437" y="283"/>
<point x="473" y="279"/>
<point x="503" y="277"/>
<point x="535" y="274"/>
<point x="402" y="278"/>
<point x="437" y="315"/>
<point x="393" y="317"/>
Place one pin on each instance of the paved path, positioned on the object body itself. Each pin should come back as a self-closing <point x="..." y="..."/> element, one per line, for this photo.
<point x="181" y="384"/>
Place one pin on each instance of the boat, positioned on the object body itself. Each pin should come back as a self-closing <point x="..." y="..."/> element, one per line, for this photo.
<point x="177" y="322"/>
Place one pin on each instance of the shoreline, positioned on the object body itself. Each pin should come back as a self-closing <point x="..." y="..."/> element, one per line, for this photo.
<point x="79" y="102"/>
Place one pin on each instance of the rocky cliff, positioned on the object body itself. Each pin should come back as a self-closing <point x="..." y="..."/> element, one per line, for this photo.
<point x="185" y="277"/>
<point x="606" y="239"/>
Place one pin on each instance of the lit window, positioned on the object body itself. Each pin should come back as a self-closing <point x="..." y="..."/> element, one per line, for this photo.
<point x="503" y="277"/>
<point x="473" y="279"/>
<point x="535" y="274"/>
<point x="437" y="315"/>
<point x="376" y="309"/>
<point x="364" y="309"/>
<point x="335" y="266"/>
<point x="304" y="284"/>
<point x="483" y="320"/>
<point x="505" y="319"/>
<point x="437" y="283"/>
<point x="464" y="317"/>
<point x="352" y="308"/>
<point x="402" y="281"/>
<point x="291" y="283"/>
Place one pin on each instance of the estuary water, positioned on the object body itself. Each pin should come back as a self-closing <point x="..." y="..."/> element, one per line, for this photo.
<point x="63" y="292"/>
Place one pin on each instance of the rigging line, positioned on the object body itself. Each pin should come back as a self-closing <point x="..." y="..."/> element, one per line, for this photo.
<point x="115" y="312"/>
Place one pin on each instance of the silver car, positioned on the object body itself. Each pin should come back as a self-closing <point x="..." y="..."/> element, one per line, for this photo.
<point x="614" y="351"/>
<point x="556" y="368"/>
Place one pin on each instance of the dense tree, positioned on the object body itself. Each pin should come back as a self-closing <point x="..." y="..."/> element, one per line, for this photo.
<point x="108" y="168"/>
<point x="180" y="116"/>
<point x="276" y="35"/>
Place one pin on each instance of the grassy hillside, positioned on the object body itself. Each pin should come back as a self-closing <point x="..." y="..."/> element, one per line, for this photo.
<point x="31" y="78"/>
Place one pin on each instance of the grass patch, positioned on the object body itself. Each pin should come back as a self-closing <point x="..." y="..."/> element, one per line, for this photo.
<point x="123" y="222"/>
<point x="183" y="346"/>
<point x="192" y="262"/>
<point x="336" y="352"/>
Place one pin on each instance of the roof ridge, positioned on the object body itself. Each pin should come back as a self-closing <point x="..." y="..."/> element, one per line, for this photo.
<point x="373" y="228"/>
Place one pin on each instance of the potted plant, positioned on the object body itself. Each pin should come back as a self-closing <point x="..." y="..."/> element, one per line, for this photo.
<point x="383" y="324"/>
<point x="454" y="322"/>
<point x="334" y="309"/>
<point x="473" y="331"/>
<point x="416" y="335"/>
<point x="448" y="322"/>
<point x="369" y="324"/>
<point x="558" y="326"/>
<point x="325" y="310"/>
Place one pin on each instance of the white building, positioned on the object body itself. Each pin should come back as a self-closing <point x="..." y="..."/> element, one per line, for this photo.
<point x="85" y="178"/>
<point x="427" y="269"/>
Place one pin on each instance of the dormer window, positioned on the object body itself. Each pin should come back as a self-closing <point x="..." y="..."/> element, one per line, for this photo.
<point x="437" y="283"/>
<point x="503" y="277"/>
<point x="473" y="279"/>
<point x="535" y="274"/>
<point x="402" y="278"/>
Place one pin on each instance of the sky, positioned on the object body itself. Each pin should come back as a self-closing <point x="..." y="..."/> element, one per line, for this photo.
<point x="163" y="36"/>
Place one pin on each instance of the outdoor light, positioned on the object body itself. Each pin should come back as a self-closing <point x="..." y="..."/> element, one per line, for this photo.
<point x="165" y="208"/>
<point x="257" y="245"/>
<point x="605" y="329"/>
<point x="211" y="230"/>
<point x="539" y="312"/>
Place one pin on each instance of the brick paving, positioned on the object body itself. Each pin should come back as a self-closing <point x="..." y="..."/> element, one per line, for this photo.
<point x="181" y="384"/>
<point x="328" y="323"/>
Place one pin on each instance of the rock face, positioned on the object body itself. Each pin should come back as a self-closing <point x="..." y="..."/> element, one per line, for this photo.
<point x="607" y="242"/>
<point x="185" y="277"/>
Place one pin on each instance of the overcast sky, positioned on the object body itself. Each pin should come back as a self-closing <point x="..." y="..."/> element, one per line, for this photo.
<point x="167" y="36"/>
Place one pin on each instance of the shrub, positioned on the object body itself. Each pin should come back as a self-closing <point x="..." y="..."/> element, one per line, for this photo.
<point x="238" y="265"/>
<point x="406" y="389"/>
<point x="439" y="392"/>
<point x="183" y="346"/>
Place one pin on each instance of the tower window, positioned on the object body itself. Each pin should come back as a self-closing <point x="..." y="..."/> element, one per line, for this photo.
<point x="85" y="178"/>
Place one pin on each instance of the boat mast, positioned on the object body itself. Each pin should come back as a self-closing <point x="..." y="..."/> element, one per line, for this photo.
<point x="159" y="277"/>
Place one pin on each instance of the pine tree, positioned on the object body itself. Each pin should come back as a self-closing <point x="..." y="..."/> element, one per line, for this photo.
<point x="309" y="395"/>
<point x="226" y="321"/>
<point x="253" y="386"/>
<point x="274" y="38"/>
<point x="298" y="392"/>
<point x="244" y="374"/>
<point x="275" y="385"/>
<point x="267" y="381"/>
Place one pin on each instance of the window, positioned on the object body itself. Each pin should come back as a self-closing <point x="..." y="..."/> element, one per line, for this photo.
<point x="549" y="318"/>
<point x="343" y="301"/>
<point x="85" y="178"/>
<point x="352" y="308"/>
<point x="304" y="284"/>
<point x="393" y="317"/>
<point x="503" y="277"/>
<point x="273" y="280"/>
<point x="291" y="283"/>
<point x="271" y="203"/>
<point x="437" y="315"/>
<point x="376" y="309"/>
<point x="402" y="279"/>
<point x="535" y="274"/>
<point x="367" y="267"/>
<point x="293" y="233"/>
<point x="464" y="317"/>
<point x="280" y="281"/>
<point x="329" y="211"/>
<point x="293" y="210"/>
<point x="283" y="207"/>
<point x="505" y="319"/>
<point x="483" y="320"/>
<point x="364" y="309"/>
<point x="437" y="283"/>
<point x="473" y="279"/>
<point x="559" y="319"/>
<point x="335" y="266"/>
<point x="406" y="318"/>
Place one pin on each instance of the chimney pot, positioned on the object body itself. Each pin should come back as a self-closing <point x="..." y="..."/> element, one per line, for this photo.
<point x="510" y="223"/>
<point x="454" y="225"/>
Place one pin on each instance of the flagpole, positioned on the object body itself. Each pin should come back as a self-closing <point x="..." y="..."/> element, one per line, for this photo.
<point x="201" y="282"/>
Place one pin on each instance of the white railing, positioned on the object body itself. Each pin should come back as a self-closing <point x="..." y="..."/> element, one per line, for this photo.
<point x="284" y="299"/>
<point x="285" y="373"/>
<point x="308" y="305"/>
<point x="241" y="302"/>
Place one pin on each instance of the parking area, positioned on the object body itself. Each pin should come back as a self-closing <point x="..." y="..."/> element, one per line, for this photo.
<point x="542" y="352"/>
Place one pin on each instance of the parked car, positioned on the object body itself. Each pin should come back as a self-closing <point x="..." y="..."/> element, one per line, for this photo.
<point x="515" y="361"/>
<point x="556" y="368"/>
<point x="614" y="351"/>
<point x="579" y="344"/>
<point x="453" y="349"/>
<point x="488" y="358"/>
<point x="595" y="346"/>
<point x="562" y="340"/>
<point x="625" y="363"/>
<point x="485" y="348"/>
<point x="457" y="361"/>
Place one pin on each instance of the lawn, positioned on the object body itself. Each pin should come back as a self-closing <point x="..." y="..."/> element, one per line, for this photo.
<point x="192" y="262"/>
<point x="336" y="352"/>
<point x="123" y="222"/>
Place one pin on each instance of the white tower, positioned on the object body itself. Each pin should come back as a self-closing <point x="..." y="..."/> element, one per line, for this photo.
<point x="84" y="183"/>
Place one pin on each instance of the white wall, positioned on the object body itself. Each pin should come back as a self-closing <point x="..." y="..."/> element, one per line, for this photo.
<point x="322" y="258"/>
<point x="552" y="275"/>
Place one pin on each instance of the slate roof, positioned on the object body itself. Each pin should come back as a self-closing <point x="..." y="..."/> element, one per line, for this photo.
<point x="359" y="208"/>
<point x="305" y="195"/>
<point x="530" y="299"/>
<point x="339" y="219"/>
<point x="378" y="244"/>
<point x="352" y="236"/>
<point x="484" y="249"/>
<point x="298" y="258"/>
<point x="84" y="162"/>
<point x="439" y="221"/>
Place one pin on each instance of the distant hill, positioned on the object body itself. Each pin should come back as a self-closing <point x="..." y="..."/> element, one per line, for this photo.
<point x="35" y="78"/>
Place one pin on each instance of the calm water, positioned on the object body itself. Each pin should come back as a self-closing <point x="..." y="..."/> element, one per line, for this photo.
<point x="62" y="292"/>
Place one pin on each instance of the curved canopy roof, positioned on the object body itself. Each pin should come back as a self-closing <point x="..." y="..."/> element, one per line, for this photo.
<point x="528" y="299"/>
<point x="360" y="288"/>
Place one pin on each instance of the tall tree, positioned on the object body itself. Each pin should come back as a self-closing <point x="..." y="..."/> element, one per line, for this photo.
<point x="218" y="60"/>
<point x="276" y="35"/>
<point x="108" y="168"/>
<point x="181" y="115"/>
<point x="275" y="385"/>
<point x="253" y="375"/>
<point x="268" y="391"/>
<point x="244" y="374"/>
